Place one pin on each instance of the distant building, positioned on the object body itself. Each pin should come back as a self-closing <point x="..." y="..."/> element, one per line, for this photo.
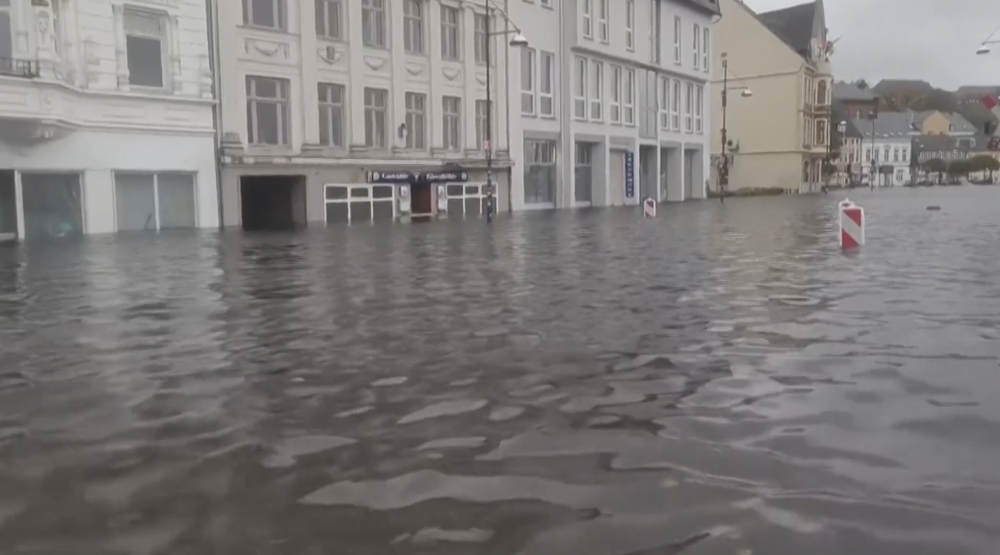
<point x="932" y="122"/>
<point x="948" y="149"/>
<point x="780" y="136"/>
<point x="885" y="143"/>
<point x="853" y="101"/>
<point x="973" y="94"/>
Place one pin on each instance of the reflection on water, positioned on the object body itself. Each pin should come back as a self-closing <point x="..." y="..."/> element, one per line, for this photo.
<point x="718" y="380"/>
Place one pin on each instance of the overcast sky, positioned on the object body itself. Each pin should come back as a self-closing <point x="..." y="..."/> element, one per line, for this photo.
<point x="933" y="40"/>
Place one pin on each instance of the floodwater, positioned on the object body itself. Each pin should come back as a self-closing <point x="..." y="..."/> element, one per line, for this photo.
<point x="720" y="380"/>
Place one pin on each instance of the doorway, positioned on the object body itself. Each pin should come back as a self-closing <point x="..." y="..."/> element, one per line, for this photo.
<point x="53" y="206"/>
<point x="8" y="206"/>
<point x="273" y="202"/>
<point x="422" y="202"/>
<point x="616" y="175"/>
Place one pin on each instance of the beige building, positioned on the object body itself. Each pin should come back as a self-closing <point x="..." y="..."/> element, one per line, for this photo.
<point x="357" y="110"/>
<point x="779" y="136"/>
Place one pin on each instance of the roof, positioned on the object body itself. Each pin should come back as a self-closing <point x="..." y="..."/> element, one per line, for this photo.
<point x="945" y="143"/>
<point x="977" y="90"/>
<point x="843" y="90"/>
<point x="888" y="125"/>
<point x="958" y="123"/>
<point x="710" y="6"/>
<point x="793" y="25"/>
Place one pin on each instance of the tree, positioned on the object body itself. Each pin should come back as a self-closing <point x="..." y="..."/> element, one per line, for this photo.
<point x="984" y="163"/>
<point x="959" y="168"/>
<point x="861" y="84"/>
<point x="936" y="165"/>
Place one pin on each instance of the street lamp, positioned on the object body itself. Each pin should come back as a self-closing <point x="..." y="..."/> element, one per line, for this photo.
<point x="842" y="131"/>
<point x="984" y="48"/>
<point x="873" y="115"/>
<point x="518" y="41"/>
<point x="745" y="92"/>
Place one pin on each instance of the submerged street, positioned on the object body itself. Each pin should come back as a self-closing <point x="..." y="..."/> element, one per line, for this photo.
<point x="719" y="380"/>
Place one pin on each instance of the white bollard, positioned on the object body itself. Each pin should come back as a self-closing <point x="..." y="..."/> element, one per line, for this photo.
<point x="852" y="225"/>
<point x="649" y="208"/>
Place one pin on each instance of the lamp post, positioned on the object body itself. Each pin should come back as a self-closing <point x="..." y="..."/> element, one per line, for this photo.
<point x="873" y="115"/>
<point x="841" y="131"/>
<point x="517" y="40"/>
<point x="724" y="162"/>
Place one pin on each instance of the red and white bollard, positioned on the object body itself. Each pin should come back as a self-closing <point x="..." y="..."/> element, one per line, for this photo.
<point x="852" y="225"/>
<point x="649" y="208"/>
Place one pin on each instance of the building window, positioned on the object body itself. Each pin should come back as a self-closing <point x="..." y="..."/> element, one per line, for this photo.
<point x="465" y="199"/>
<point x="145" y="36"/>
<point x="885" y="151"/>
<point x="689" y="108"/>
<point x="154" y="201"/>
<point x="629" y="97"/>
<point x="705" y="42"/>
<point x="615" y="110"/>
<point x="588" y="19"/>
<point x="906" y="154"/>
<point x="821" y="92"/>
<point x="376" y="118"/>
<point x="528" y="81"/>
<point x="602" y="20"/>
<point x="664" y="104"/>
<point x="821" y="132"/>
<point x="584" y="173"/>
<point x="539" y="172"/>
<point x="482" y="124"/>
<point x="373" y="23"/>
<point x="675" y="108"/>
<point x="482" y="37"/>
<point x="269" y="14"/>
<point x="267" y="110"/>
<point x="6" y="37"/>
<point x="416" y="121"/>
<point x="696" y="46"/>
<point x="358" y="204"/>
<point x="332" y="122"/>
<point x="413" y="27"/>
<point x="580" y="90"/>
<point x="868" y="154"/>
<point x="654" y="31"/>
<point x="630" y="24"/>
<point x="452" y="115"/>
<point x="678" y="49"/>
<point x="330" y="19"/>
<point x="451" y="43"/>
<point x="546" y="85"/>
<point x="699" y="107"/>
<point x="596" y="91"/>
<point x="895" y="154"/>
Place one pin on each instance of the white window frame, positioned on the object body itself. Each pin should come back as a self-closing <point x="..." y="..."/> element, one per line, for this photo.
<point x="278" y="10"/>
<point x="324" y="10"/>
<point x="327" y="107"/>
<point x="481" y="35"/>
<point x="451" y="34"/>
<point x="664" y="102"/>
<point x="282" y="108"/>
<point x="705" y="50"/>
<point x="699" y="108"/>
<point x="628" y="98"/>
<point x="161" y="35"/>
<point x="630" y="25"/>
<point x="451" y="121"/>
<point x="546" y="84"/>
<point x="596" y="87"/>
<point x="529" y="104"/>
<point x="416" y="120"/>
<point x="157" y="216"/>
<point x="350" y="199"/>
<point x="379" y="138"/>
<point x="602" y="21"/>
<point x="689" y="108"/>
<point x="615" y="102"/>
<point x="373" y="24"/>
<point x="588" y="19"/>
<point x="696" y="46"/>
<point x="482" y="115"/>
<point x="581" y="85"/>
<point x="675" y="106"/>
<point x="414" y="25"/>
<point x="678" y="37"/>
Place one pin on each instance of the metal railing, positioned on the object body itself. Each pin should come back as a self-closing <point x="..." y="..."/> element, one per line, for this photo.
<point x="18" y="68"/>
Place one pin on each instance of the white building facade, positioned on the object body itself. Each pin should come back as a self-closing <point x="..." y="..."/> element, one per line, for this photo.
<point x="889" y="152"/>
<point x="106" y="117"/>
<point x="349" y="111"/>
<point x="610" y="101"/>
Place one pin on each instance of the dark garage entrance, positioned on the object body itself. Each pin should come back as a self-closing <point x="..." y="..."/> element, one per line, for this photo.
<point x="273" y="202"/>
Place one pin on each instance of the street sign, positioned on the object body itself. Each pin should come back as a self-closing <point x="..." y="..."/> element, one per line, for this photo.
<point x="629" y="175"/>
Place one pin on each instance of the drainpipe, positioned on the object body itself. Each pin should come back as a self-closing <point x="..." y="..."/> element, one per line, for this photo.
<point x="506" y="107"/>
<point x="212" y="14"/>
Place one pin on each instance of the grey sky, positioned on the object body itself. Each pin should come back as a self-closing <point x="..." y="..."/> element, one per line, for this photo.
<point x="934" y="40"/>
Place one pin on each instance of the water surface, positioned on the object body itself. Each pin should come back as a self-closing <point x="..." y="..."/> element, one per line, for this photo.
<point x="720" y="380"/>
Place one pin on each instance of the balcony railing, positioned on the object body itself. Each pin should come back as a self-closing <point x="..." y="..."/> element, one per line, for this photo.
<point x="18" y="68"/>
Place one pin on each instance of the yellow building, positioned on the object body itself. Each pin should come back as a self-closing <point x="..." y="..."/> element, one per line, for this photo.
<point x="778" y="137"/>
